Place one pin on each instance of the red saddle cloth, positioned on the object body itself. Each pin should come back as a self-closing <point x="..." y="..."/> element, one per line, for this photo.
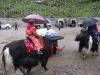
<point x="29" y="45"/>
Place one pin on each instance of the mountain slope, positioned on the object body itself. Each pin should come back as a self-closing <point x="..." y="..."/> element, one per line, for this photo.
<point x="56" y="8"/>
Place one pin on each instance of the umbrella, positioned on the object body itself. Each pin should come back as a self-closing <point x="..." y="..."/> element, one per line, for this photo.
<point x="35" y="18"/>
<point x="89" y="22"/>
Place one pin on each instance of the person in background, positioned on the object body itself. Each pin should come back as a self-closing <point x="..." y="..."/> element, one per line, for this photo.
<point x="61" y="24"/>
<point x="59" y="27"/>
<point x="32" y="34"/>
<point x="16" y="26"/>
<point x="46" y="26"/>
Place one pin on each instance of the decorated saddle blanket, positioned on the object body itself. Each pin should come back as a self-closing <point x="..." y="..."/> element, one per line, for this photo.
<point x="29" y="45"/>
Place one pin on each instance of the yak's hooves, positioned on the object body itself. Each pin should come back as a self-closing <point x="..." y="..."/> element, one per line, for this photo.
<point x="46" y="69"/>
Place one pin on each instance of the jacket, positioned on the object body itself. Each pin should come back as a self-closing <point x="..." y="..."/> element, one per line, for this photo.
<point x="93" y="30"/>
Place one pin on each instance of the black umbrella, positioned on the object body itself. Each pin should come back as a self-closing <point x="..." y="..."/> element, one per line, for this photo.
<point x="89" y="22"/>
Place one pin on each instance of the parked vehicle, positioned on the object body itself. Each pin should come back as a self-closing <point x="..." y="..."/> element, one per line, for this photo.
<point x="49" y="24"/>
<point x="60" y="22"/>
<point x="72" y="23"/>
<point x="80" y="21"/>
<point x="4" y="26"/>
<point x="38" y="26"/>
<point x="66" y="21"/>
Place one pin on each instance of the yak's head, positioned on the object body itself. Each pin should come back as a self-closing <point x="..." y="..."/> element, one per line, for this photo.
<point x="83" y="36"/>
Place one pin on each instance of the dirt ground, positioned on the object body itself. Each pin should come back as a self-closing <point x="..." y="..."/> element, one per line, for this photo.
<point x="68" y="62"/>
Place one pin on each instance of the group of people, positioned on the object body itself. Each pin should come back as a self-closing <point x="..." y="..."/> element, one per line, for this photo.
<point x="38" y="41"/>
<point x="37" y="35"/>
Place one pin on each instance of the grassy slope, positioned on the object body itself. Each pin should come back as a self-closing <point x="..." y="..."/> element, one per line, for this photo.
<point x="20" y="8"/>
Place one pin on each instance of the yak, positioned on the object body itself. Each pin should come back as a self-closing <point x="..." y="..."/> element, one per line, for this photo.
<point x="15" y="56"/>
<point x="86" y="42"/>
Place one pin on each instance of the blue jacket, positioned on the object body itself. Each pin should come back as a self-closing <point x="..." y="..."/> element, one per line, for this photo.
<point x="92" y="30"/>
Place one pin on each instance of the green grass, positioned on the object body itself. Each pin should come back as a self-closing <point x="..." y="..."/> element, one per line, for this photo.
<point x="56" y="8"/>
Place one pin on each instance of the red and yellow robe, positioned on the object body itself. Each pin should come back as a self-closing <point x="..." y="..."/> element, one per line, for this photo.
<point x="36" y="39"/>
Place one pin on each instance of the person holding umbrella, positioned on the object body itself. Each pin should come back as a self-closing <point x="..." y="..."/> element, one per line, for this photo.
<point x="32" y="34"/>
<point x="37" y="40"/>
<point x="93" y="31"/>
<point x="92" y="28"/>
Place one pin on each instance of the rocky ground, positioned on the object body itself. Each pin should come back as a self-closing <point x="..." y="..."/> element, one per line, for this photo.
<point x="68" y="62"/>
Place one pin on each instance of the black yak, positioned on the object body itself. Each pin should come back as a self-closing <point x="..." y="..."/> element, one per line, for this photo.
<point x="15" y="56"/>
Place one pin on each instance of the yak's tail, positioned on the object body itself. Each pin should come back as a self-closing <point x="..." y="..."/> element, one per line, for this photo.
<point x="3" y="50"/>
<point x="3" y="61"/>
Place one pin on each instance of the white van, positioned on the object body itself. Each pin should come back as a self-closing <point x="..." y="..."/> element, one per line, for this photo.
<point x="5" y="26"/>
<point x="72" y="23"/>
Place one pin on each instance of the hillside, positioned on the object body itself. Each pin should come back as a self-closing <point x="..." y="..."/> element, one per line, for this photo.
<point x="55" y="8"/>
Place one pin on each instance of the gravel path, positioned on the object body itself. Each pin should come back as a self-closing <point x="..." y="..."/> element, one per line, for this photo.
<point x="68" y="63"/>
